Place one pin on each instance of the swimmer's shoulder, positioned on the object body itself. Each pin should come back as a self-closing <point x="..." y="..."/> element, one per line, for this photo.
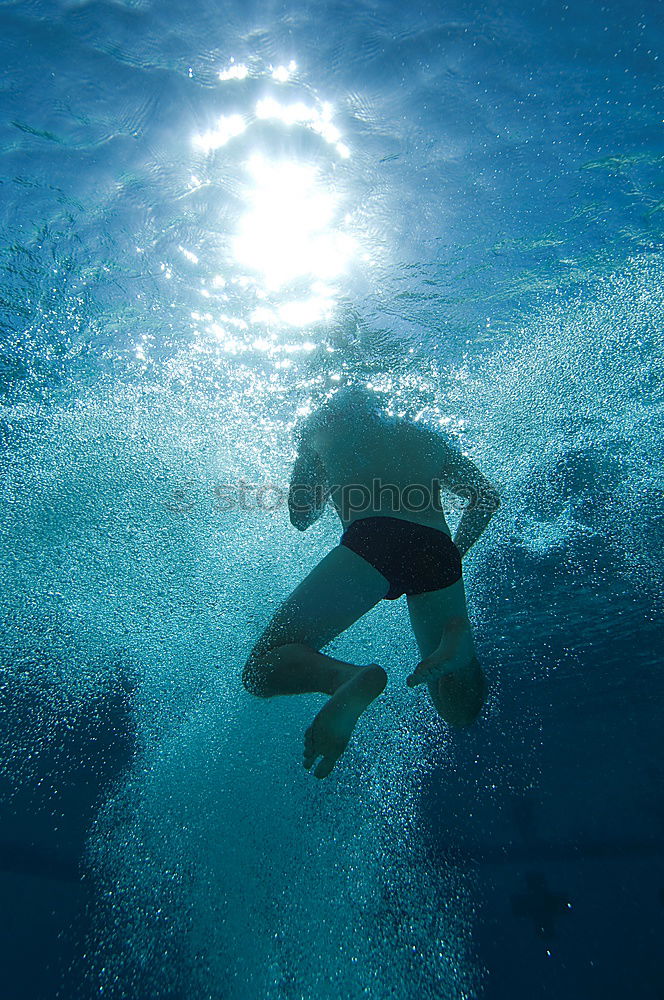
<point x="434" y="443"/>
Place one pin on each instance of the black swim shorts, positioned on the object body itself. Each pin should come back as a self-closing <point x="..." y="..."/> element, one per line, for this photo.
<point x="414" y="558"/>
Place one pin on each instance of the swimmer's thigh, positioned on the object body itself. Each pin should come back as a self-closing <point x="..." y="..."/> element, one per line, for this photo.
<point x="338" y="591"/>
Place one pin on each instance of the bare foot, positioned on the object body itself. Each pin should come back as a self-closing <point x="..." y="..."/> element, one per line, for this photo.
<point x="328" y="734"/>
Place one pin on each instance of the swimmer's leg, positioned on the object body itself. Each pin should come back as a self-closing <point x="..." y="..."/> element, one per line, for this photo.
<point x="287" y="658"/>
<point x="449" y="666"/>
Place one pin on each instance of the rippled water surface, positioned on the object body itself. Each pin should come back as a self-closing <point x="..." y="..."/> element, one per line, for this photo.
<point x="211" y="215"/>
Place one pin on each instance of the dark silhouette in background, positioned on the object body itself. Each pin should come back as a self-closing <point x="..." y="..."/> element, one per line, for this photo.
<point x="540" y="905"/>
<point x="59" y="760"/>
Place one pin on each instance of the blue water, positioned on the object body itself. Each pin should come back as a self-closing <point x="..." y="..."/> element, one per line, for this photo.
<point x="211" y="215"/>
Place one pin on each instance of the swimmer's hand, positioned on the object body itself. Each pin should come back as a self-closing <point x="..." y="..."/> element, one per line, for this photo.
<point x="302" y="520"/>
<point x="454" y="652"/>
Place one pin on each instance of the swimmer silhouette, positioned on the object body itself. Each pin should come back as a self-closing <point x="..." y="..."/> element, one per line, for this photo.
<point x="383" y="476"/>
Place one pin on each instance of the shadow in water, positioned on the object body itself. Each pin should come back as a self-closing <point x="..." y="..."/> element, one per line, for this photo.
<point x="61" y="757"/>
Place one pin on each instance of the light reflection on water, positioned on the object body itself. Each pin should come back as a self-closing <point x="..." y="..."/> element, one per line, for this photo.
<point x="292" y="243"/>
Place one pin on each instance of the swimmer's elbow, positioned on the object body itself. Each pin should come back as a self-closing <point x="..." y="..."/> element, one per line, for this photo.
<point x="491" y="500"/>
<point x="483" y="498"/>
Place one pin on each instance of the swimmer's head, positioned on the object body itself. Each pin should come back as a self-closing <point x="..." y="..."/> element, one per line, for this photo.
<point x="351" y="403"/>
<point x="353" y="397"/>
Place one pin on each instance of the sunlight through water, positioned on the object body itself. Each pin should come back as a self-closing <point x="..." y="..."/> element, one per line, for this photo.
<point x="288" y="230"/>
<point x="291" y="240"/>
<point x="215" y="217"/>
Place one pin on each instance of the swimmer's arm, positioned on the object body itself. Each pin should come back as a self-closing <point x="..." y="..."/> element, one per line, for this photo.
<point x="307" y="495"/>
<point x="463" y="478"/>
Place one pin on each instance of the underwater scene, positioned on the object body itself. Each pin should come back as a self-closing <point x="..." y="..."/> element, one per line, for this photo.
<point x="252" y="246"/>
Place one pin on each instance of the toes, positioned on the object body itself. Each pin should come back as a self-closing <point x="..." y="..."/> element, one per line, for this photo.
<point x="325" y="767"/>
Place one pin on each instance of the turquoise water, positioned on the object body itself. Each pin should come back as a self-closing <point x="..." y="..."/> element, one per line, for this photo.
<point x="212" y="215"/>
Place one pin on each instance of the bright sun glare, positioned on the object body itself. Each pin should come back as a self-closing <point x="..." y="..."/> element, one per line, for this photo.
<point x="287" y="232"/>
<point x="289" y="238"/>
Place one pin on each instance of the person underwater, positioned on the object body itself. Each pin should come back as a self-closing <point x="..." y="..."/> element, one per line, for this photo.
<point x="383" y="475"/>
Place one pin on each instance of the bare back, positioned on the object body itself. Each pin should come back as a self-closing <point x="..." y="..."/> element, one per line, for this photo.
<point x="380" y="465"/>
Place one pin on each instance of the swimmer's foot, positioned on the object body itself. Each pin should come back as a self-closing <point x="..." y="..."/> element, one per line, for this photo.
<point x="328" y="734"/>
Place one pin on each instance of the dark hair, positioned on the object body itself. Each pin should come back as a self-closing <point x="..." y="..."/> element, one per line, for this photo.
<point x="353" y="398"/>
<point x="350" y="402"/>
